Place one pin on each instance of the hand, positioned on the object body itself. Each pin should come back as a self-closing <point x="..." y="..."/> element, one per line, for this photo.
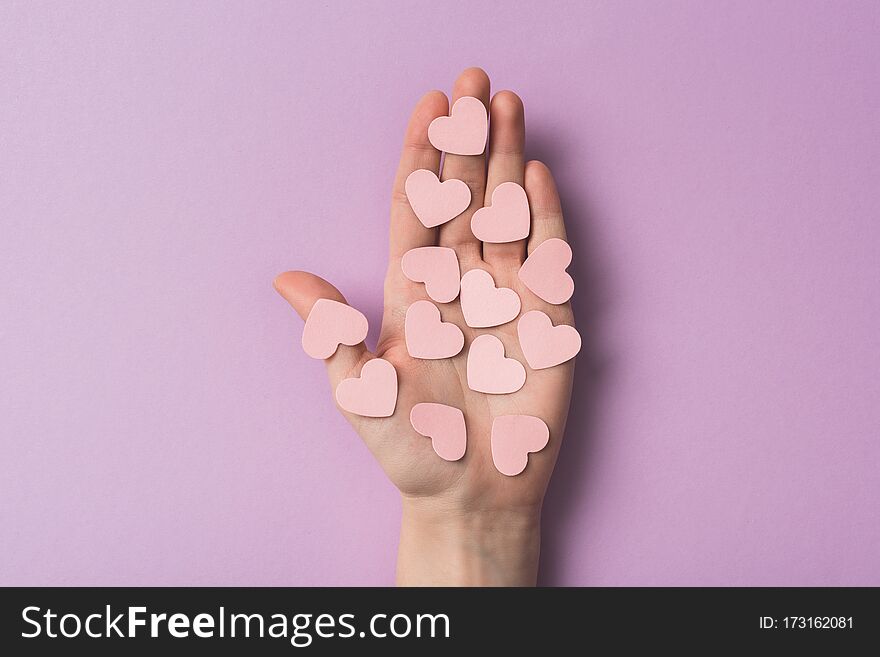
<point x="463" y="522"/>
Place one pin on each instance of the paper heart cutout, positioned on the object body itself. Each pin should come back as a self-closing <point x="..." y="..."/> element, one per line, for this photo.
<point x="427" y="336"/>
<point x="331" y="323"/>
<point x="436" y="202"/>
<point x="544" y="273"/>
<point x="484" y="305"/>
<point x="444" y="425"/>
<point x="489" y="371"/>
<point x="543" y="344"/>
<point x="437" y="268"/>
<point x="507" y="219"/>
<point x="373" y="394"/>
<point x="464" y="131"/>
<point x="514" y="437"/>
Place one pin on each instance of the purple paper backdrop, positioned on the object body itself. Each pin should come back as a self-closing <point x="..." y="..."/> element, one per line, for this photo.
<point x="161" y="162"/>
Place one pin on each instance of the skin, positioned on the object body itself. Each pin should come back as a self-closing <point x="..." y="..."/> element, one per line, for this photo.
<point x="463" y="523"/>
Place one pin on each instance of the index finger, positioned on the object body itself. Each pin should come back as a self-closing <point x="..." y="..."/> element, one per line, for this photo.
<point x="407" y="232"/>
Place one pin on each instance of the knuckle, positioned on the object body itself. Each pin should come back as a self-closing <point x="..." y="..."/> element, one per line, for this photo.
<point x="399" y="197"/>
<point x="419" y="149"/>
<point x="508" y="149"/>
<point x="474" y="179"/>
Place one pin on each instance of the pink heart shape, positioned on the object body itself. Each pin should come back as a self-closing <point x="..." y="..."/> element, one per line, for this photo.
<point x="437" y="268"/>
<point x="436" y="202"/>
<point x="489" y="371"/>
<point x="429" y="337"/>
<point x="464" y="132"/>
<point x="507" y="219"/>
<point x="544" y="273"/>
<point x="329" y="324"/>
<point x="514" y="437"/>
<point x="484" y="305"/>
<point x="444" y="425"/>
<point x="373" y="394"/>
<point x="543" y="344"/>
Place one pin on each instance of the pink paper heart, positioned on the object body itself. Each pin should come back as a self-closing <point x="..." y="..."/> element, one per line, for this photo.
<point x="544" y="273"/>
<point x="444" y="425"/>
<point x="543" y="344"/>
<point x="437" y="268"/>
<point x="329" y="324"/>
<point x="427" y="336"/>
<point x="464" y="132"/>
<point x="436" y="202"/>
<point x="489" y="371"/>
<point x="373" y="394"/>
<point x="484" y="305"/>
<point x="514" y="437"/>
<point x="507" y="219"/>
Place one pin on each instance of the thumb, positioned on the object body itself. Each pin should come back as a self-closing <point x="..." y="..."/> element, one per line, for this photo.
<point x="301" y="290"/>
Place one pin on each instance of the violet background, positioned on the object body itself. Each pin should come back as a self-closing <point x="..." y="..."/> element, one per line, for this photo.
<point x="160" y="162"/>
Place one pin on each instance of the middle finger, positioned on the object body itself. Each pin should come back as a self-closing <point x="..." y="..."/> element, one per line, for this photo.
<point x="469" y="168"/>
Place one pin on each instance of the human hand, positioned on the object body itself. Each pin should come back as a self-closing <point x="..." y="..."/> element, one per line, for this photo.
<point x="463" y="521"/>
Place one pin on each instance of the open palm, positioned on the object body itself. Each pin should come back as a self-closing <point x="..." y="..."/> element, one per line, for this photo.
<point x="407" y="457"/>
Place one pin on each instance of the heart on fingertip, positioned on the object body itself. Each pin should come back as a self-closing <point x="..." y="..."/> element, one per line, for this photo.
<point x="464" y="131"/>
<point x="436" y="202"/>
<point x="543" y="344"/>
<point x="514" y="437"/>
<point x="484" y="305"/>
<point x="331" y="323"/>
<point x="373" y="394"/>
<point x="444" y="425"/>
<point x="544" y="273"/>
<point x="429" y="337"/>
<point x="489" y="371"/>
<point x="507" y="219"/>
<point x="437" y="268"/>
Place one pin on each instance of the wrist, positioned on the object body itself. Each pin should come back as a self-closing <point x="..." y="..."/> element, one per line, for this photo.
<point x="445" y="545"/>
